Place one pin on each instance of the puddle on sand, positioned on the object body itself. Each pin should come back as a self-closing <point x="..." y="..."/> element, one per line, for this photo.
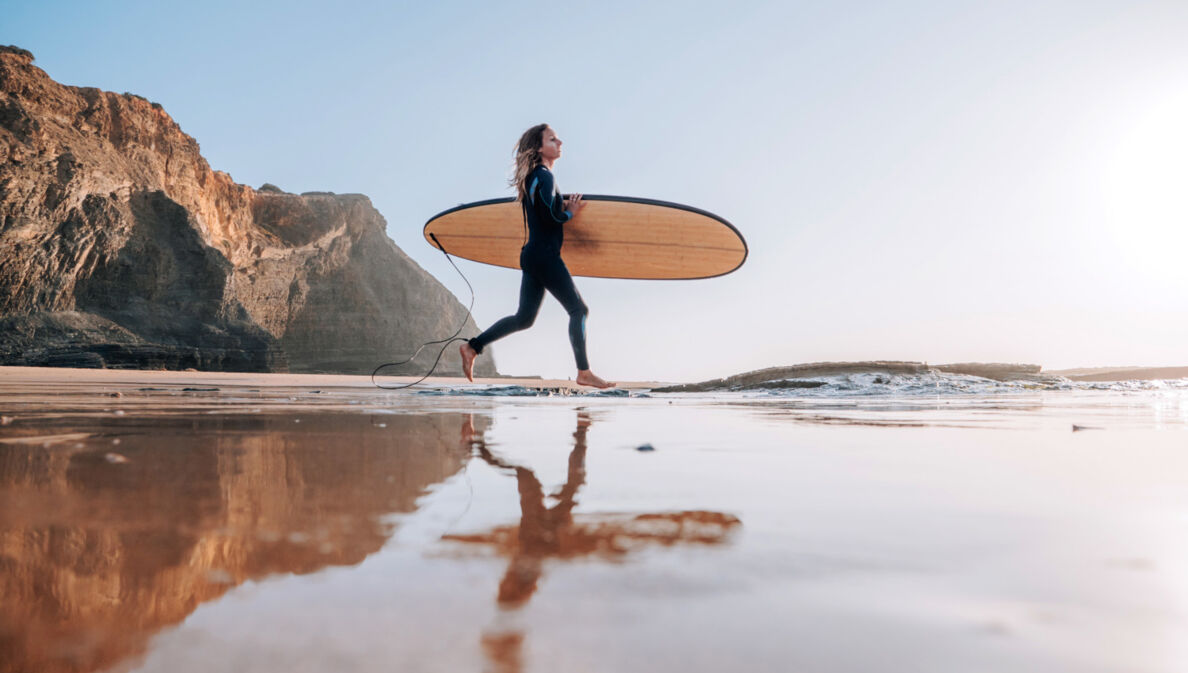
<point x="123" y="531"/>
<point x="533" y="534"/>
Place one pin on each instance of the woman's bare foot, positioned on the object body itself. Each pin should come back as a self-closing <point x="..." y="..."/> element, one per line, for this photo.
<point x="586" y="377"/>
<point x="468" y="356"/>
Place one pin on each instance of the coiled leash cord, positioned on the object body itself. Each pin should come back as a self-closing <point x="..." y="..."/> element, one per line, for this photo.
<point x="446" y="342"/>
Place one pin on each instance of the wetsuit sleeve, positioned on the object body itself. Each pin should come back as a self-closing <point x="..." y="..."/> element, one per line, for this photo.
<point x="546" y="194"/>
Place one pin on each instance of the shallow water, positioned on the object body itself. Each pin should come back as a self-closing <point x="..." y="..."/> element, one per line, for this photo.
<point x="292" y="530"/>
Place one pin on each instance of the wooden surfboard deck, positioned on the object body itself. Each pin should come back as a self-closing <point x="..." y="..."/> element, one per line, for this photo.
<point x="613" y="237"/>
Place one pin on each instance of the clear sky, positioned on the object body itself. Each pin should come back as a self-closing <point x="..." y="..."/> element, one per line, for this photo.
<point x="937" y="181"/>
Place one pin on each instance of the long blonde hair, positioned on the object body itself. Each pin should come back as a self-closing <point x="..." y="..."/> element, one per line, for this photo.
<point x="527" y="159"/>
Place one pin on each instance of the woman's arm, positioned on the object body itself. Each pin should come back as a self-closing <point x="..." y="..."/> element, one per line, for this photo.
<point x="546" y="193"/>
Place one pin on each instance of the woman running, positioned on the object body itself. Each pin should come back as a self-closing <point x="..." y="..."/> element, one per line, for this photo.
<point x="540" y="258"/>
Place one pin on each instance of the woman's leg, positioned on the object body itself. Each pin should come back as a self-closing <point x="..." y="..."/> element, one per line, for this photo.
<point x="559" y="283"/>
<point x="531" y="295"/>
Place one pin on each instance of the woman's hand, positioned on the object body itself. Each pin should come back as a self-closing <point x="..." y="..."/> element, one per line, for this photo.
<point x="574" y="204"/>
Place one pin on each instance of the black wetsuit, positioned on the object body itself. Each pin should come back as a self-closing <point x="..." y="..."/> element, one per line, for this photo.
<point x="540" y="260"/>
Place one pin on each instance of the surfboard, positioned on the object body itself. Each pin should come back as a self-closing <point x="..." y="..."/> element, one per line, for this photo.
<point x="612" y="237"/>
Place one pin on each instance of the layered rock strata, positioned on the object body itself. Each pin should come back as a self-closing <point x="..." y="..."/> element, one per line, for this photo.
<point x="122" y="248"/>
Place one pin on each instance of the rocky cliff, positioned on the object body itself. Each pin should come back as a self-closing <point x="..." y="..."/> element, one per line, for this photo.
<point x="122" y="248"/>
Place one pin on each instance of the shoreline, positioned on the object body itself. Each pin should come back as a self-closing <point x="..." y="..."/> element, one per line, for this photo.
<point x="31" y="379"/>
<point x="67" y="376"/>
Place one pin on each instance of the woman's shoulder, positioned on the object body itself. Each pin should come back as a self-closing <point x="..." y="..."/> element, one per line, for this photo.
<point x="542" y="177"/>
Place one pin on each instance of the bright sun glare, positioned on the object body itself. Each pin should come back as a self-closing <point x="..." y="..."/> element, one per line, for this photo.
<point x="1147" y="189"/>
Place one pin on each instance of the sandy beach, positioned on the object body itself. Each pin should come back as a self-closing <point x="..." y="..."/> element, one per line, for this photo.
<point x="11" y="377"/>
<point x="835" y="252"/>
<point x="182" y="521"/>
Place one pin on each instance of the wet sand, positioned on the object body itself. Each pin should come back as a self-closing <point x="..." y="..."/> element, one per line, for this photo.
<point x="166" y="521"/>
<point x="98" y="378"/>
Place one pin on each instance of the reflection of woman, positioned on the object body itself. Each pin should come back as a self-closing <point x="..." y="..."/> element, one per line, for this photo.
<point x="540" y="259"/>
<point x="544" y="531"/>
<point x="553" y="533"/>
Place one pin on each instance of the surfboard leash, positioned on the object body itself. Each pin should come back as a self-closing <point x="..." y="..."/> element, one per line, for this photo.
<point x="445" y="342"/>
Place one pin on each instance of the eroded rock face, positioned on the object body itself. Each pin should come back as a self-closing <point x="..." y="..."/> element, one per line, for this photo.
<point x="122" y="248"/>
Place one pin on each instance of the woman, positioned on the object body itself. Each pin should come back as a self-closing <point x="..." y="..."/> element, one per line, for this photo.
<point x="540" y="258"/>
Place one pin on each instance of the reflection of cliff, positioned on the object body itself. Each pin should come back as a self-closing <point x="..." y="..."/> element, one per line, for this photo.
<point x="99" y="552"/>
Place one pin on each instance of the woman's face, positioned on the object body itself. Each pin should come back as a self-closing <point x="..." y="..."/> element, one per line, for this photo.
<point x="550" y="145"/>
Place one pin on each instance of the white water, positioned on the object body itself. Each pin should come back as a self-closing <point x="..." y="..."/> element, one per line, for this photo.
<point x="938" y="383"/>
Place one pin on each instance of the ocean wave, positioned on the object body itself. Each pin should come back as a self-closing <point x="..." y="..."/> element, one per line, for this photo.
<point x="938" y="383"/>
<point x="838" y="379"/>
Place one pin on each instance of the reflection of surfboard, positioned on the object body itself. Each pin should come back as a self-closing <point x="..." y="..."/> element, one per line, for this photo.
<point x="613" y="237"/>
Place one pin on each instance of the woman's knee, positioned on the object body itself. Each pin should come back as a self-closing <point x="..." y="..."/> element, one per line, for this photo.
<point x="578" y="310"/>
<point x="525" y="320"/>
